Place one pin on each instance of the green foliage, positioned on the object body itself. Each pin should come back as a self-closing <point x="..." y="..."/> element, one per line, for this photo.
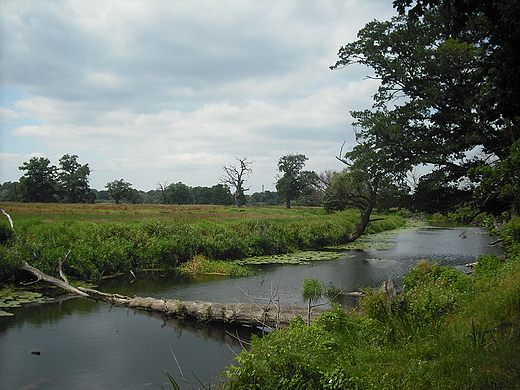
<point x="511" y="237"/>
<point x="295" y="358"/>
<point x="6" y="234"/>
<point x="294" y="181"/>
<point x="102" y="249"/>
<point x="448" y="330"/>
<point x="38" y="183"/>
<point x="120" y="189"/>
<point x="314" y="289"/>
<point x="73" y="180"/>
<point x="201" y="265"/>
<point x="178" y="193"/>
<point x="455" y="65"/>
<point x="261" y="237"/>
<point x="43" y="182"/>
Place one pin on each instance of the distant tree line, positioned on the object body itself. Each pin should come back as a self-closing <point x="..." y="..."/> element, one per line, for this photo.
<point x="69" y="183"/>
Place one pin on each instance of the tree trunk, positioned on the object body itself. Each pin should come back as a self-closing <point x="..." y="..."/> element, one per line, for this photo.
<point x="363" y="223"/>
<point x="252" y="314"/>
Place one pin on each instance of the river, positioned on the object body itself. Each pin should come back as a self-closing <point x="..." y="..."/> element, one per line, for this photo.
<point x="78" y="344"/>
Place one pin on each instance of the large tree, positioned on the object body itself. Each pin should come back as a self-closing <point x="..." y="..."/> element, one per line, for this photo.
<point x="120" y="189"/>
<point x="38" y="183"/>
<point x="457" y="74"/>
<point x="179" y="193"/>
<point x="235" y="176"/>
<point x="74" y="180"/>
<point x="293" y="181"/>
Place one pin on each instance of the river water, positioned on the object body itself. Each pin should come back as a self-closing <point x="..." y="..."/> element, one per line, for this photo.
<point x="83" y="344"/>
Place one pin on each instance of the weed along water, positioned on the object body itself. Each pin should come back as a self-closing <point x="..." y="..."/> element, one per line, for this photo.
<point x="83" y="344"/>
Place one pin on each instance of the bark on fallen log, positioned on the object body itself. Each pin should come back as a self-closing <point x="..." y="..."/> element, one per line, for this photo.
<point x="251" y="314"/>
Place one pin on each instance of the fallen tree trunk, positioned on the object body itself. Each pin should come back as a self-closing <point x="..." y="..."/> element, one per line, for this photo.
<point x="252" y="314"/>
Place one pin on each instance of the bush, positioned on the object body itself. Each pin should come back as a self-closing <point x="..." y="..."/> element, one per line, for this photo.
<point x="6" y="234"/>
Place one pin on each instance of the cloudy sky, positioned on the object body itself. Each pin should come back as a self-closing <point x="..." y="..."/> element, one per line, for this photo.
<point x="171" y="90"/>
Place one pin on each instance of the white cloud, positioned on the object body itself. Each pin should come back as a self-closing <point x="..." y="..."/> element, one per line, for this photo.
<point x="7" y="115"/>
<point x="172" y="90"/>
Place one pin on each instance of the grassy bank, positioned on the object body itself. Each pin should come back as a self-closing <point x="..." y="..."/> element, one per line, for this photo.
<point x="104" y="240"/>
<point x="447" y="331"/>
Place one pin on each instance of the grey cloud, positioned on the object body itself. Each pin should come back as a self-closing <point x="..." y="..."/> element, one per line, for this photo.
<point x="135" y="79"/>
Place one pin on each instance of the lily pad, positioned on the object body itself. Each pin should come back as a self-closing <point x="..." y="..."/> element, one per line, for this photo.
<point x="13" y="299"/>
<point x="5" y="314"/>
<point x="293" y="258"/>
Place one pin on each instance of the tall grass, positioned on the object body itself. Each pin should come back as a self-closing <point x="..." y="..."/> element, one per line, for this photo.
<point x="107" y="248"/>
<point x="447" y="331"/>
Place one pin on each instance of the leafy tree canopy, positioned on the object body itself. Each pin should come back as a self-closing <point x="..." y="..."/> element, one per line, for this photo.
<point x="294" y="181"/>
<point x="179" y="193"/>
<point x="38" y="183"/>
<point x="74" y="180"/>
<point x="450" y="77"/>
<point x="120" y="189"/>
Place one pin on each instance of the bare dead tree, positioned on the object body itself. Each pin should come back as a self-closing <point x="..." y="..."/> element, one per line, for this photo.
<point x="162" y="187"/>
<point x="235" y="176"/>
<point x="325" y="177"/>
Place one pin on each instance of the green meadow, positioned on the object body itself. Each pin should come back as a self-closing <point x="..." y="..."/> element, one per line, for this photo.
<point x="106" y="240"/>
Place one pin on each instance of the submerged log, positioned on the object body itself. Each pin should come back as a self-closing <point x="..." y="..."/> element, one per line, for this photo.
<point x="251" y="314"/>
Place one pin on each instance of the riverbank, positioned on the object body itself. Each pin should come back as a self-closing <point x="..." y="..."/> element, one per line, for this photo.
<point x="107" y="246"/>
<point x="448" y="330"/>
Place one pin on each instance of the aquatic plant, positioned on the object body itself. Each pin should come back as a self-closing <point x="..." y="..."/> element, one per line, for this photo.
<point x="201" y="265"/>
<point x="16" y="298"/>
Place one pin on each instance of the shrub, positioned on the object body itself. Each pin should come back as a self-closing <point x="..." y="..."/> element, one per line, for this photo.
<point x="201" y="265"/>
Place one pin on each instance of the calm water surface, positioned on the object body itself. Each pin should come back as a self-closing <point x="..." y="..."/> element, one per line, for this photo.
<point x="90" y="345"/>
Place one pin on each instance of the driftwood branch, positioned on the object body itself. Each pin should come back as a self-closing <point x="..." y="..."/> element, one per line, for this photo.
<point x="60" y="269"/>
<point x="52" y="280"/>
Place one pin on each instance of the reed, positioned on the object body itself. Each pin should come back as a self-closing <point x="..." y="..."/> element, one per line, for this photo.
<point x="133" y="239"/>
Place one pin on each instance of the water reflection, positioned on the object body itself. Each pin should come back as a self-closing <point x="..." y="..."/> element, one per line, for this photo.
<point x="86" y="344"/>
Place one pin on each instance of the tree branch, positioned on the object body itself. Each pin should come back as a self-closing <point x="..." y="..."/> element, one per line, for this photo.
<point x="52" y="280"/>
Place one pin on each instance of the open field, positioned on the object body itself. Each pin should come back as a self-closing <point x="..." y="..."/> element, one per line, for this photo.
<point x="105" y="212"/>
